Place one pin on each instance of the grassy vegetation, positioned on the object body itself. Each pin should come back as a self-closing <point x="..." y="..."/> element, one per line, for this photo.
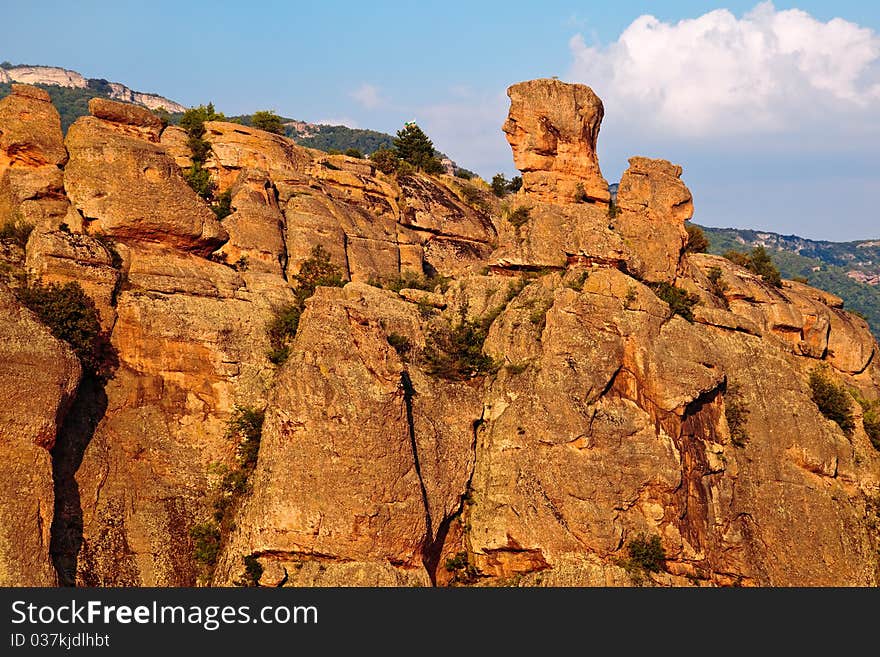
<point x="463" y="571"/>
<point x="455" y="351"/>
<point x="697" y="241"/>
<point x="758" y="262"/>
<point x="736" y="412"/>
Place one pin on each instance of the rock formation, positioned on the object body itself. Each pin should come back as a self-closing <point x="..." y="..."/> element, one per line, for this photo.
<point x="520" y="422"/>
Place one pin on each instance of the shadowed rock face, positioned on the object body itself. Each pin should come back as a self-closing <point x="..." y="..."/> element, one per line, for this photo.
<point x="38" y="380"/>
<point x="601" y="416"/>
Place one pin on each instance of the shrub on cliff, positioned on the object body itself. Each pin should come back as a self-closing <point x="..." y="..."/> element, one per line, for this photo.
<point x="697" y="241"/>
<point x="647" y="553"/>
<point x="832" y="399"/>
<point x="455" y="351"/>
<point x="71" y="316"/>
<point x="758" y="262"/>
<point x="314" y="272"/>
<point x="268" y="121"/>
<point x="16" y="229"/>
<point x="385" y="160"/>
<point x="680" y="301"/>
<point x="193" y="121"/>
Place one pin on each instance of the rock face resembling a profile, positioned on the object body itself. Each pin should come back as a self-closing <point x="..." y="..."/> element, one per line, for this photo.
<point x="552" y="128"/>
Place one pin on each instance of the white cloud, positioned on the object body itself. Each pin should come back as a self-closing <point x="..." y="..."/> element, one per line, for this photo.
<point x="718" y="75"/>
<point x="368" y="96"/>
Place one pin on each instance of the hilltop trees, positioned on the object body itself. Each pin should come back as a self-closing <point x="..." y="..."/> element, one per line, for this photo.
<point x="268" y="121"/>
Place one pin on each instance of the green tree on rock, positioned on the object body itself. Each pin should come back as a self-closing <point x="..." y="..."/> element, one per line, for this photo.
<point x="412" y="145"/>
<point x="268" y="121"/>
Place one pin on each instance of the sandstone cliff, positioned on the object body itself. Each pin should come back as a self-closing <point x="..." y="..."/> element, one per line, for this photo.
<point x="520" y="420"/>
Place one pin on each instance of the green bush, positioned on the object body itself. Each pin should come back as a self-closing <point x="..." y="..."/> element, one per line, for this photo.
<point x="413" y="281"/>
<point x="222" y="206"/>
<point x="613" y="210"/>
<point x="354" y="152"/>
<point x="268" y="121"/>
<point x="697" y="241"/>
<point x="680" y="301"/>
<point x="385" y="160"/>
<point x="519" y="217"/>
<point x="737" y="414"/>
<point x="515" y="184"/>
<point x="193" y="121"/>
<point x="871" y="422"/>
<point x="647" y="553"/>
<point x="253" y="571"/>
<point x="16" y="229"/>
<point x="199" y="179"/>
<point x="245" y="428"/>
<point x="463" y="571"/>
<point x="832" y="399"/>
<point x="455" y="351"/>
<point x="717" y="286"/>
<point x="758" y="262"/>
<point x="314" y="272"/>
<point x="473" y="197"/>
<point x="71" y="316"/>
<point x="870" y="418"/>
<point x="206" y="544"/>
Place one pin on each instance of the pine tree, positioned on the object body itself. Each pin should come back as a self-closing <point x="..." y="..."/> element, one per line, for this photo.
<point x="413" y="146"/>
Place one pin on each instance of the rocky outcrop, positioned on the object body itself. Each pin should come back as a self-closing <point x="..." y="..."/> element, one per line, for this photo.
<point x="38" y="379"/>
<point x="652" y="200"/>
<point x="31" y="152"/>
<point x="377" y="512"/>
<point x="51" y="75"/>
<point x="127" y="187"/>
<point x="521" y="422"/>
<point x="564" y="214"/>
<point x="552" y="128"/>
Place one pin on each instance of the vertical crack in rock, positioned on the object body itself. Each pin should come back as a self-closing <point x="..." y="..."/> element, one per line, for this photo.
<point x="408" y="392"/>
<point x="435" y="549"/>
<point x="74" y="436"/>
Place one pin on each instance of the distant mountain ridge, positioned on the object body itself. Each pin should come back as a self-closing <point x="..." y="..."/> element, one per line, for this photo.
<point x="851" y="270"/>
<point x="71" y="91"/>
<point x="62" y="77"/>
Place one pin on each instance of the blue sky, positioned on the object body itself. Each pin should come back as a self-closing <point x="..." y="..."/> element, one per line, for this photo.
<point x="773" y="113"/>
